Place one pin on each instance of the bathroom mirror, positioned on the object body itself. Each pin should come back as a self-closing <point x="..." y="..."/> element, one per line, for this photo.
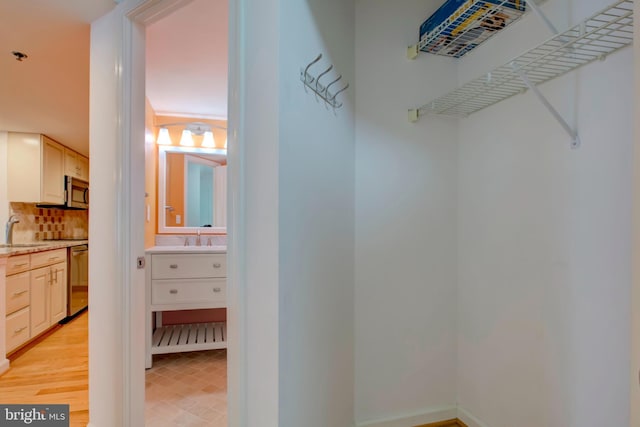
<point x="192" y="190"/>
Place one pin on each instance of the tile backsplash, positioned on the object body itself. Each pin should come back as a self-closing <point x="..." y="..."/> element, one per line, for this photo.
<point x="47" y="224"/>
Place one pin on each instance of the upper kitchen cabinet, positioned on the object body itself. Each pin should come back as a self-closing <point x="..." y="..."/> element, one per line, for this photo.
<point x="35" y="172"/>
<point x="76" y="165"/>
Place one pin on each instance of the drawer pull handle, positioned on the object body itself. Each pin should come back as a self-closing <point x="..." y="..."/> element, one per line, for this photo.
<point x="15" y="294"/>
<point x="173" y="266"/>
<point x="21" y="265"/>
<point x="173" y="291"/>
<point x="217" y="265"/>
<point x="17" y="331"/>
<point x="216" y="290"/>
<point x="53" y="258"/>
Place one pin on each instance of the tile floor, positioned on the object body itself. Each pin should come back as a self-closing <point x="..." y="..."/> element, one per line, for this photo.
<point x="187" y="390"/>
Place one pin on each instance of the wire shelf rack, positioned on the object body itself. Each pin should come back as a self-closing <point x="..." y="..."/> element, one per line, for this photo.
<point x="447" y="40"/>
<point x="592" y="39"/>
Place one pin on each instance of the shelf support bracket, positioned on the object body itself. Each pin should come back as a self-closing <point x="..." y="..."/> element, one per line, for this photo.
<point x="412" y="51"/>
<point x="575" y="139"/>
<point x="532" y="4"/>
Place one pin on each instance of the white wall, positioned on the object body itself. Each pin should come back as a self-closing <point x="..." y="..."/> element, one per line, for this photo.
<point x="105" y="325"/>
<point x="406" y="199"/>
<point x="544" y="246"/>
<point x="541" y="235"/>
<point x="635" y="296"/>
<point x="116" y="219"/>
<point x="294" y="242"/>
<point x="256" y="188"/>
<point x="316" y="218"/>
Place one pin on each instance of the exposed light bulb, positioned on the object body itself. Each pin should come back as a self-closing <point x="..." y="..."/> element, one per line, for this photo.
<point x="186" y="139"/>
<point x="208" y="140"/>
<point x="163" y="137"/>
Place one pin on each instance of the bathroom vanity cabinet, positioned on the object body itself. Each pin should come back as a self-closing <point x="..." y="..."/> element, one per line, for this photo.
<point x="184" y="278"/>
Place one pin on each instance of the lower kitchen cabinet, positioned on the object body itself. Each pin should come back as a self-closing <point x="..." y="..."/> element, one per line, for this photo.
<point x="36" y="295"/>
<point x="17" y="325"/>
<point x="18" y="298"/>
<point x="48" y="297"/>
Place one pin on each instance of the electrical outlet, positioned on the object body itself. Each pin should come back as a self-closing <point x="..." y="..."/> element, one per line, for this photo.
<point x="178" y="219"/>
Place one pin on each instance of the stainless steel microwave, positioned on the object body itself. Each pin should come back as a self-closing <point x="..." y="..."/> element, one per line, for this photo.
<point x="76" y="193"/>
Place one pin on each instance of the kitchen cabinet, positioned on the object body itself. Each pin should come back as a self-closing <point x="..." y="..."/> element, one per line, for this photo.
<point x="48" y="289"/>
<point x="36" y="295"/>
<point x="48" y="297"/>
<point x="183" y="280"/>
<point x="76" y="165"/>
<point x="35" y="170"/>
<point x="17" y="296"/>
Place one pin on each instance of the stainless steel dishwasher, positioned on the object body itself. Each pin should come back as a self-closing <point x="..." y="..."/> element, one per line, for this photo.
<point x="78" y="284"/>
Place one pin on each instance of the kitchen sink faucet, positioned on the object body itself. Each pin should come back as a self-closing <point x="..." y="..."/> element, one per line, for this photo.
<point x="9" y="229"/>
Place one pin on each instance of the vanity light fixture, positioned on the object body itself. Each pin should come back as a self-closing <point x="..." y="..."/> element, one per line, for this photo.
<point x="163" y="137"/>
<point x="187" y="139"/>
<point x="208" y="140"/>
<point x="189" y="129"/>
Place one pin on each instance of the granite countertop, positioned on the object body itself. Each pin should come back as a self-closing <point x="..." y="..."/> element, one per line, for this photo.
<point x="46" y="245"/>
<point x="187" y="249"/>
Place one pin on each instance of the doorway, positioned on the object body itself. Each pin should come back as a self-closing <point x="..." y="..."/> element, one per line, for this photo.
<point x="117" y="116"/>
<point x="186" y="121"/>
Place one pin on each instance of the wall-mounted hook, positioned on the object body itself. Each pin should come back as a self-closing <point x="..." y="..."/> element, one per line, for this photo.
<point x="333" y="98"/>
<point x="318" y="85"/>
<point x="329" y="85"/>
<point x="314" y="84"/>
<point x="305" y="73"/>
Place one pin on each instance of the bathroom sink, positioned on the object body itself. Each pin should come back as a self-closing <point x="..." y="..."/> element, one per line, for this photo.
<point x="22" y="245"/>
<point x="214" y="249"/>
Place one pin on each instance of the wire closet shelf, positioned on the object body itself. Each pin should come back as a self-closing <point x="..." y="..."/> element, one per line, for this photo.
<point x="592" y="39"/>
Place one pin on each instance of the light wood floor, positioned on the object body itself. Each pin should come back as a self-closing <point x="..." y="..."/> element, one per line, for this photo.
<point x="55" y="371"/>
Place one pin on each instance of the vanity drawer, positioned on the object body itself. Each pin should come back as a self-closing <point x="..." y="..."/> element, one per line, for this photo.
<point x="41" y="259"/>
<point x="188" y="266"/>
<point x="189" y="291"/>
<point x="17" y="291"/>
<point x="17" y="329"/>
<point x="17" y="264"/>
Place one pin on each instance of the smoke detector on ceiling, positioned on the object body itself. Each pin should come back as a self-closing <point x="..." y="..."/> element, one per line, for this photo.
<point x="19" y="55"/>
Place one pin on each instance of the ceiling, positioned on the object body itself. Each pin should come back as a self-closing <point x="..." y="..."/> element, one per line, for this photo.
<point x="187" y="61"/>
<point x="48" y="92"/>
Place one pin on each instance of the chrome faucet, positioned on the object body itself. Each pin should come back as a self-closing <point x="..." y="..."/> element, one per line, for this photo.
<point x="9" y="229"/>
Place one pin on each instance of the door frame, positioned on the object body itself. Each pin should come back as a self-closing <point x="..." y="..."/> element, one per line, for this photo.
<point x="136" y="14"/>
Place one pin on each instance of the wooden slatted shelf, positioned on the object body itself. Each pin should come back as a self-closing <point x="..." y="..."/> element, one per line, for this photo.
<point x="189" y="337"/>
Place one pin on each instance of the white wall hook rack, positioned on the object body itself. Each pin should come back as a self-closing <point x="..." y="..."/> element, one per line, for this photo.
<point x="592" y="39"/>
<point x="320" y="89"/>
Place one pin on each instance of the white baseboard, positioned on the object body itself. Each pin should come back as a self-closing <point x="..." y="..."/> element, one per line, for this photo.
<point x="4" y="366"/>
<point x="468" y="418"/>
<point x="410" y="420"/>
